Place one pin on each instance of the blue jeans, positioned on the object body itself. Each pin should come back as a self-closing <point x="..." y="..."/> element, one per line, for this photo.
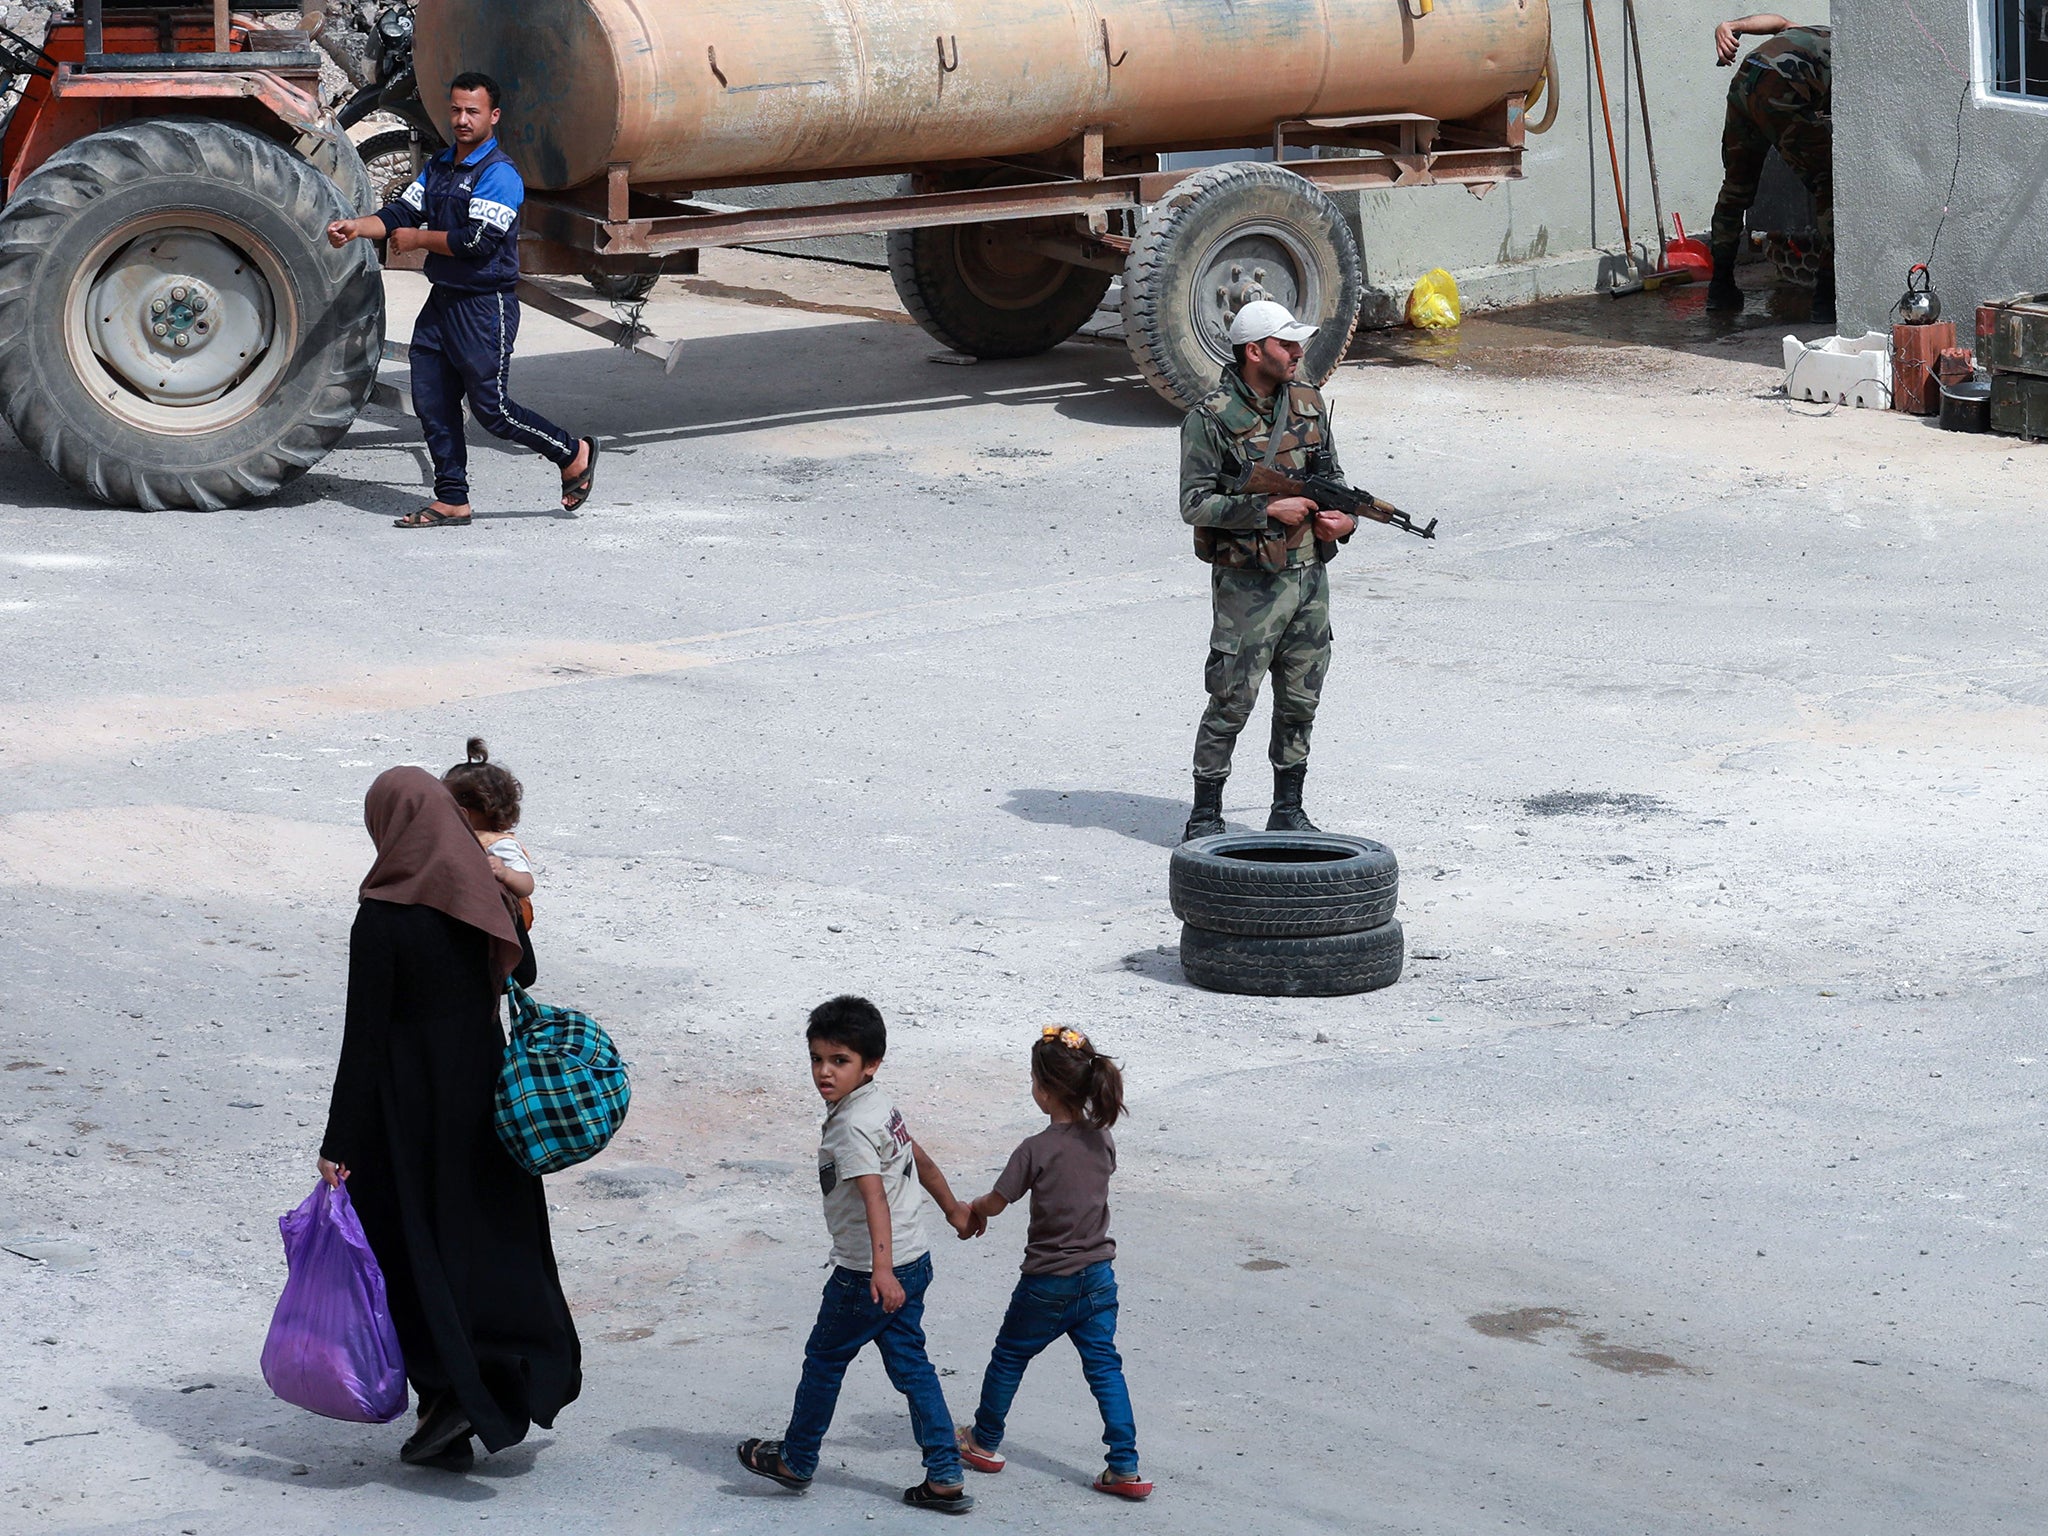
<point x="849" y="1319"/>
<point x="1042" y="1308"/>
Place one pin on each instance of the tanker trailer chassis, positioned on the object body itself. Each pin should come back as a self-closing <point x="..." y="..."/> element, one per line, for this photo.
<point x="1010" y="257"/>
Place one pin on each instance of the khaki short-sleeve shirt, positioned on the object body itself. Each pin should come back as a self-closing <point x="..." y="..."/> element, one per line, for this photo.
<point x="864" y="1133"/>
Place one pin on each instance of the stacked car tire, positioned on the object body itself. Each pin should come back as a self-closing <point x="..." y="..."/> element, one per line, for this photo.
<point x="1287" y="914"/>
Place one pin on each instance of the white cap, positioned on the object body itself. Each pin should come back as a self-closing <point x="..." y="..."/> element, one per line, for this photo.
<point x="1262" y="318"/>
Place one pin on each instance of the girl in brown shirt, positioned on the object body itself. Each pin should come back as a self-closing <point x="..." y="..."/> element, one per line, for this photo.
<point x="1068" y="1288"/>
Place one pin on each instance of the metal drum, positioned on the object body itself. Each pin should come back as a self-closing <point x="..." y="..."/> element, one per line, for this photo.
<point x="713" y="92"/>
<point x="1966" y="405"/>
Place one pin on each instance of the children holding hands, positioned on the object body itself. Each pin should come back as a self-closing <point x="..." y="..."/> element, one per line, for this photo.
<point x="871" y="1171"/>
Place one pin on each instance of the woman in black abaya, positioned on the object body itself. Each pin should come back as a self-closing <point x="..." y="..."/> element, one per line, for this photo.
<point x="459" y="1229"/>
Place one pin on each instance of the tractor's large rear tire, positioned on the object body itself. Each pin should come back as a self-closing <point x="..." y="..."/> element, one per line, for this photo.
<point x="134" y="238"/>
<point x="983" y="290"/>
<point x="1221" y="238"/>
<point x="341" y="161"/>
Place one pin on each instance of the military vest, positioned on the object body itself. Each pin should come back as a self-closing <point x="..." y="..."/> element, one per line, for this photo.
<point x="1250" y="435"/>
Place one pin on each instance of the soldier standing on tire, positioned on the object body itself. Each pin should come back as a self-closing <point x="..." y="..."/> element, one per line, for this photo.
<point x="1266" y="555"/>
<point x="468" y="198"/>
<point x="1782" y="98"/>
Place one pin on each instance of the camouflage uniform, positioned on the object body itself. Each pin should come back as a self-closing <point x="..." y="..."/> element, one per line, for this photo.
<point x="1270" y="594"/>
<point x="1781" y="97"/>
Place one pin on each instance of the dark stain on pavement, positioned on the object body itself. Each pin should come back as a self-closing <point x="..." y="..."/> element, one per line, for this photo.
<point x="1593" y="802"/>
<point x="1260" y="1266"/>
<point x="1527" y="1325"/>
<point x="1629" y="1362"/>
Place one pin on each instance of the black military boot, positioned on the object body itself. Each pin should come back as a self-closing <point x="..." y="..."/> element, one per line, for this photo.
<point x="1722" y="294"/>
<point x="1207" y="820"/>
<point x="1823" y="312"/>
<point x="1288" y="816"/>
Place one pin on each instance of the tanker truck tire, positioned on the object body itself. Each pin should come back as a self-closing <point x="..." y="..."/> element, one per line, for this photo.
<point x="622" y="287"/>
<point x="1224" y="236"/>
<point x="175" y="330"/>
<point x="981" y="289"/>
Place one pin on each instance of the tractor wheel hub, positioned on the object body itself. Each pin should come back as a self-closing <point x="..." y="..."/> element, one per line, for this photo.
<point x="179" y="316"/>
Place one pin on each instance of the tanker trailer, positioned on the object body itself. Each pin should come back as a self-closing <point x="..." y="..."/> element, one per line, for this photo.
<point x="1028" y="134"/>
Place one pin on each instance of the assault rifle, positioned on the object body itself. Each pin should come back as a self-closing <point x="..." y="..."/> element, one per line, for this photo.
<point x="1328" y="493"/>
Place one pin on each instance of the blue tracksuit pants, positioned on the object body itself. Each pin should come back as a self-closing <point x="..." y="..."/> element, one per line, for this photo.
<point x="462" y="347"/>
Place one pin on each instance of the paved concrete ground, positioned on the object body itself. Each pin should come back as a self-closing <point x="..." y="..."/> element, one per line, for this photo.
<point x="1693" y="1187"/>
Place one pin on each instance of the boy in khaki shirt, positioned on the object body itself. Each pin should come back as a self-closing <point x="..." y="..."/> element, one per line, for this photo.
<point x="870" y="1170"/>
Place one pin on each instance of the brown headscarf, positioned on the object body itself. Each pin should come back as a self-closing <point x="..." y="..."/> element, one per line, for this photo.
<point x="427" y="856"/>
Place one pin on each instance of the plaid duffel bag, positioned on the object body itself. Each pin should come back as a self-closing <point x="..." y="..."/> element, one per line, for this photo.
<point x="563" y="1092"/>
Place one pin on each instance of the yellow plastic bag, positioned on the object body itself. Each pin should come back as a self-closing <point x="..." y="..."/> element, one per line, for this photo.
<point x="1433" y="303"/>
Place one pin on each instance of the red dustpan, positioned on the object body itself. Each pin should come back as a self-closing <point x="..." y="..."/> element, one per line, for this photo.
<point x="1688" y="253"/>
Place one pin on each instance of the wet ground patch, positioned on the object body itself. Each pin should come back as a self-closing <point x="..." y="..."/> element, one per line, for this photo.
<point x="1528" y="1325"/>
<point x="1594" y="802"/>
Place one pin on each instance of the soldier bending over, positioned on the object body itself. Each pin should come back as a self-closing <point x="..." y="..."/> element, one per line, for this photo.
<point x="1781" y="98"/>
<point x="1266" y="554"/>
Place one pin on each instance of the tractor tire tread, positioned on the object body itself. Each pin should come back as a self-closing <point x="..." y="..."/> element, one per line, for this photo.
<point x="64" y="187"/>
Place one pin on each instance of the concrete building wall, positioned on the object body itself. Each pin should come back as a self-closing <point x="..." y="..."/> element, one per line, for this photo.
<point x="1899" y="92"/>
<point x="1556" y="231"/>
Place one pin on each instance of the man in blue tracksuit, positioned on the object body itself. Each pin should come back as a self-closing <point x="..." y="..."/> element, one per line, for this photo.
<point x="468" y="200"/>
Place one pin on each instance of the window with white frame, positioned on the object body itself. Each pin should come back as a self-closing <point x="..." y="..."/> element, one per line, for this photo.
<point x="2018" y="47"/>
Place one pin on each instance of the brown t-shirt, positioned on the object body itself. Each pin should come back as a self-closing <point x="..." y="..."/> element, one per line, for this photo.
<point x="1066" y="1168"/>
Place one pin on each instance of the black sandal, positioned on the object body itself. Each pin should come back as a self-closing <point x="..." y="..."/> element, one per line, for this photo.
<point x="925" y="1496"/>
<point x="427" y="517"/>
<point x="459" y="1457"/>
<point x="442" y="1425"/>
<point x="577" y="491"/>
<point x="763" y="1458"/>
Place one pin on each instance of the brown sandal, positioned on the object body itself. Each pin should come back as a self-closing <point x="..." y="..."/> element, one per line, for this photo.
<point x="427" y="517"/>
<point x="763" y="1458"/>
<point x="576" y="489"/>
<point x="926" y="1495"/>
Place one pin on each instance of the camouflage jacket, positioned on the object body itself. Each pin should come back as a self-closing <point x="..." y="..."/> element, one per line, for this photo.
<point x="1801" y="58"/>
<point x="1228" y="430"/>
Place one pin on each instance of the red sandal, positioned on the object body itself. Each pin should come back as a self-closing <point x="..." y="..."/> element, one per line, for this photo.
<point x="976" y="1457"/>
<point x="1132" y="1487"/>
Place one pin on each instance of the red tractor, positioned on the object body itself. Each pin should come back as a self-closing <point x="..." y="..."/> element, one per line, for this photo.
<point x="175" y="330"/>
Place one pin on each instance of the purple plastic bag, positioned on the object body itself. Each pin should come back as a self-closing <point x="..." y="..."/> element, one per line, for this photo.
<point x="332" y="1348"/>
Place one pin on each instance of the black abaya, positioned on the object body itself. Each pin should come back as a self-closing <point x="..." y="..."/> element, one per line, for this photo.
<point x="459" y="1229"/>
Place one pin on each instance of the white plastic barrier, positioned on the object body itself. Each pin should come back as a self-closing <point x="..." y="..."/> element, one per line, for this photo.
<point x="1841" y="370"/>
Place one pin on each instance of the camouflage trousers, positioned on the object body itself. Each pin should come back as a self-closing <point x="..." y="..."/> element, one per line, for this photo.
<point x="1768" y="109"/>
<point x="1265" y="623"/>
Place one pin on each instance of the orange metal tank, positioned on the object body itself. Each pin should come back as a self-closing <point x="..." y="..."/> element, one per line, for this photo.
<point x="712" y="92"/>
